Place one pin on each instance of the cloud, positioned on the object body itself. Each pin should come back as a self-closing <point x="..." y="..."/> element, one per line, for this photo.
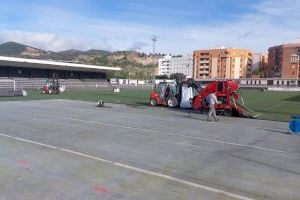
<point x="267" y="26"/>
<point x="66" y="30"/>
<point x="270" y="23"/>
<point x="46" y="41"/>
<point x="280" y="8"/>
<point x="54" y="42"/>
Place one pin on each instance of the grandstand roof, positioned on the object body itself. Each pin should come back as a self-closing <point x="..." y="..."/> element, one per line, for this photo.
<point x="47" y="64"/>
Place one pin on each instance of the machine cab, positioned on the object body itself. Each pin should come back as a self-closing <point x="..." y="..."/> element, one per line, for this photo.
<point x="162" y="92"/>
<point x="165" y="89"/>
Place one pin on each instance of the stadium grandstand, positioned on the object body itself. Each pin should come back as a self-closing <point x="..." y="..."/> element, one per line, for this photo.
<point x="33" y="73"/>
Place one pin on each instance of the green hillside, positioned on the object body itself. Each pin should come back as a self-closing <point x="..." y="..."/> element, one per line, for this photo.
<point x="135" y="65"/>
<point x="11" y="49"/>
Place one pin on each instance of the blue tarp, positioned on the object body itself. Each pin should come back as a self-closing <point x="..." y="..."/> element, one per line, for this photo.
<point x="294" y="125"/>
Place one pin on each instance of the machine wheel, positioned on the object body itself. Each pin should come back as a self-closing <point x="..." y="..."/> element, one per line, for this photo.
<point x="227" y="112"/>
<point x="153" y="102"/>
<point x="172" y="102"/>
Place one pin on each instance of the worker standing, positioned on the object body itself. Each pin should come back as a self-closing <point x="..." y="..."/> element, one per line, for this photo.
<point x="212" y="100"/>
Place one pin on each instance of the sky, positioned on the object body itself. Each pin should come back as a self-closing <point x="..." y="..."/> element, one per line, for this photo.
<point x="181" y="26"/>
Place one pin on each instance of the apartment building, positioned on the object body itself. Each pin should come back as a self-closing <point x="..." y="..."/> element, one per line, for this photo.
<point x="182" y="64"/>
<point x="176" y="64"/>
<point x="230" y="63"/>
<point x="284" y="61"/>
<point x="164" y="66"/>
<point x="260" y="61"/>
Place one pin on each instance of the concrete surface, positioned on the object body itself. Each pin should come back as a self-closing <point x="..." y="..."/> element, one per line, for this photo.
<point x="61" y="149"/>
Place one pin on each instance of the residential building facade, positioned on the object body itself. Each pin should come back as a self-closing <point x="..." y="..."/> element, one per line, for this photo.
<point x="260" y="64"/>
<point x="164" y="65"/>
<point x="229" y="63"/>
<point x="176" y="64"/>
<point x="182" y="64"/>
<point x="284" y="61"/>
<point x="260" y="60"/>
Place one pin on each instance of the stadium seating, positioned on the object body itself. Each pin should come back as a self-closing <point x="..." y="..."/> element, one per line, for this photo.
<point x="36" y="83"/>
<point x="33" y="78"/>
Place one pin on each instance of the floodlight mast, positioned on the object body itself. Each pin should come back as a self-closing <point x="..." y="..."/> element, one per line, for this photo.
<point x="154" y="40"/>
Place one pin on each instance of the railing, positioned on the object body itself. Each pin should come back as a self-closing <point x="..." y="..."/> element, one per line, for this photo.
<point x="35" y="83"/>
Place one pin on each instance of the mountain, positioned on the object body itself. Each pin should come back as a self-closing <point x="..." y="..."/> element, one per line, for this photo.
<point x="72" y="54"/>
<point x="97" y="52"/>
<point x="20" y="50"/>
<point x="139" y="64"/>
<point x="67" y="55"/>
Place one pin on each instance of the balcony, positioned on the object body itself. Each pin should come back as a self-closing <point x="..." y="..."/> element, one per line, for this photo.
<point x="295" y="59"/>
<point x="204" y="61"/>
<point x="276" y="67"/>
<point x="204" y="54"/>
<point x="277" y="75"/>
<point x="204" y="73"/>
<point x="203" y="70"/>
<point x="204" y="67"/>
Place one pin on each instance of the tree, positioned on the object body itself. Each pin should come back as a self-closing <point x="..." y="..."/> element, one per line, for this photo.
<point x="179" y="77"/>
<point x="101" y="60"/>
<point x="161" y="77"/>
<point x="260" y="71"/>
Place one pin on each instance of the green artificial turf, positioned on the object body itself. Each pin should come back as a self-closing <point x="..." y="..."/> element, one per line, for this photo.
<point x="126" y="96"/>
<point x="269" y="105"/>
<point x="279" y="106"/>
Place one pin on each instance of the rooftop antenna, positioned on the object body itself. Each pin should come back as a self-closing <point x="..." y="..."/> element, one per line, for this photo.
<point x="154" y="40"/>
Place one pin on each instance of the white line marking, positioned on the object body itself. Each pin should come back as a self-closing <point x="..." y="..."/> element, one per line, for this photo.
<point x="258" y="114"/>
<point x="174" y="134"/>
<point x="53" y="147"/>
<point x="203" y="187"/>
<point x="182" y="181"/>
<point x="273" y="106"/>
